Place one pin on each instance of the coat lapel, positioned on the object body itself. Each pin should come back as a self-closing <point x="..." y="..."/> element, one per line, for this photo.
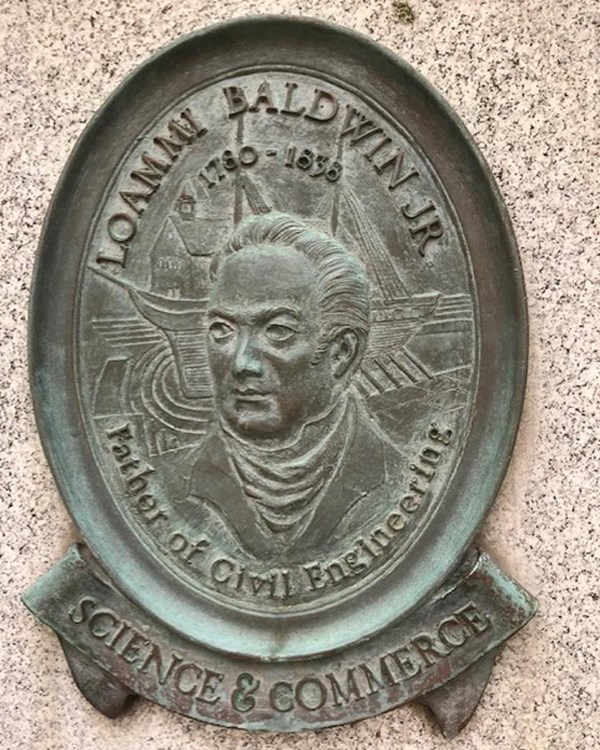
<point x="214" y="480"/>
<point x="362" y="471"/>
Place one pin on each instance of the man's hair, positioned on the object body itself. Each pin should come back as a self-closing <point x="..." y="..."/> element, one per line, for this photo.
<point x="342" y="289"/>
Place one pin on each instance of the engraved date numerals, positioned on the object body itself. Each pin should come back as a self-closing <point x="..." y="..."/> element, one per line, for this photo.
<point x="316" y="165"/>
<point x="216" y="169"/>
<point x="304" y="159"/>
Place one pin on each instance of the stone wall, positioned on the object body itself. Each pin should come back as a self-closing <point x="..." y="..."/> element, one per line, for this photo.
<point x="524" y="79"/>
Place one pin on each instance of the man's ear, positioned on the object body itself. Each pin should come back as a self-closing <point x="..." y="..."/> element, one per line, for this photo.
<point x="343" y="352"/>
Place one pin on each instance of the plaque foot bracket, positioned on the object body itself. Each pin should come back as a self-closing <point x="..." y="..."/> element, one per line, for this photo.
<point x="101" y="689"/>
<point x="455" y="702"/>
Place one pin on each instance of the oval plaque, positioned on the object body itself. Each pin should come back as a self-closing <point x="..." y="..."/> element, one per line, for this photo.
<point x="278" y="354"/>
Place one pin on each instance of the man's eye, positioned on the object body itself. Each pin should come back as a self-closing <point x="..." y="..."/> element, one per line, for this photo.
<point x="221" y="331"/>
<point x="278" y="332"/>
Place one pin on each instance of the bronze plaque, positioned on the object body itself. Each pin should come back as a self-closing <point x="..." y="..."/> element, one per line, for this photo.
<point x="278" y="360"/>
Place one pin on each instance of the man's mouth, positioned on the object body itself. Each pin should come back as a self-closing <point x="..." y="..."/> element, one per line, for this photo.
<point x="249" y="394"/>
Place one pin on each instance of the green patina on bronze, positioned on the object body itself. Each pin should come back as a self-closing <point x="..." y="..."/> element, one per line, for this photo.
<point x="279" y="385"/>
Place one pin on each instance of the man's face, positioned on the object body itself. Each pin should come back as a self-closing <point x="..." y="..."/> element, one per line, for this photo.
<point x="263" y="332"/>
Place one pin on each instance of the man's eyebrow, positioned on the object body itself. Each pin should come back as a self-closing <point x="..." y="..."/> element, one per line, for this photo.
<point x="272" y="312"/>
<point x="259" y="316"/>
<point x="221" y="312"/>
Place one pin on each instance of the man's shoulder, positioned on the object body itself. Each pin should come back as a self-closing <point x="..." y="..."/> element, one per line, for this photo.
<point x="369" y="461"/>
<point x="372" y="443"/>
<point x="210" y="458"/>
<point x="213" y="484"/>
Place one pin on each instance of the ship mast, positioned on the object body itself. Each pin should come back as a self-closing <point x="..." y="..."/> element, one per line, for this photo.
<point x="238" y="195"/>
<point x="335" y="211"/>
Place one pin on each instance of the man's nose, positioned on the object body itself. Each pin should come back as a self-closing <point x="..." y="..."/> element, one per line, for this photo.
<point x="247" y="360"/>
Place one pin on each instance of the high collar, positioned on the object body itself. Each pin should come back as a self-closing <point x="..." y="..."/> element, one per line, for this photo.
<point x="283" y="483"/>
<point x="214" y="480"/>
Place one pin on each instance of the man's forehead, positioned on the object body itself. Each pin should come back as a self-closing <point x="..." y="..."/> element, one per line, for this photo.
<point x="263" y="275"/>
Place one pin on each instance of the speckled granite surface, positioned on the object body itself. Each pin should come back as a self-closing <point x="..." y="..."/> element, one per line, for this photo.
<point x="524" y="78"/>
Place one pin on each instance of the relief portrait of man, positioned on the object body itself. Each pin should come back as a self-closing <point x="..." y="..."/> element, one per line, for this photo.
<point x="293" y="454"/>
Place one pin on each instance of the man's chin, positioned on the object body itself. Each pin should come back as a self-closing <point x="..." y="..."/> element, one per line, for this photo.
<point x="254" y="423"/>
